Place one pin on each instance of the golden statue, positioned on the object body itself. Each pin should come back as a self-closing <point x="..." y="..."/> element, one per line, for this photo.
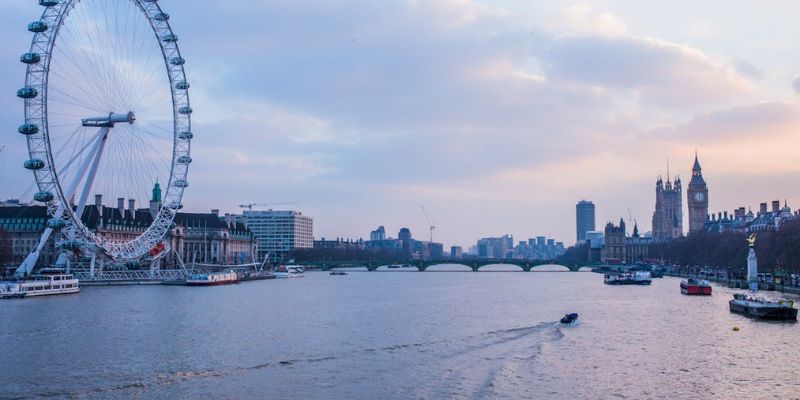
<point x="752" y="240"/>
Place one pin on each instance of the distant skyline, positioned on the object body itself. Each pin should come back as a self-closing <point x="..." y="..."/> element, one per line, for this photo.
<point x="498" y="116"/>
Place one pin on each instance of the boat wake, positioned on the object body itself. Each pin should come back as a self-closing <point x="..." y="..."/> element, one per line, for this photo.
<point x="497" y="364"/>
<point x="471" y="366"/>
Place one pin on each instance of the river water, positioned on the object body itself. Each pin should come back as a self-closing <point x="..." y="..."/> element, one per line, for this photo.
<point x="386" y="335"/>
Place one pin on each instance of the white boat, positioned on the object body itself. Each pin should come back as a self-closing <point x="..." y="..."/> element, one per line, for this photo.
<point x="283" y="272"/>
<point x="50" y="281"/>
<point x="212" y="278"/>
<point x="628" y="278"/>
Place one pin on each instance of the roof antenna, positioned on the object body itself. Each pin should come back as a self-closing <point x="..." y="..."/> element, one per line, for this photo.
<point x="668" y="177"/>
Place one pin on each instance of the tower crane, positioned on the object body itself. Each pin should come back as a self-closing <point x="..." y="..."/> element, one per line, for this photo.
<point x="431" y="225"/>
<point x="249" y="206"/>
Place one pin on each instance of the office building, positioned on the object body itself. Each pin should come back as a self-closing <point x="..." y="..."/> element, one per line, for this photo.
<point x="584" y="219"/>
<point x="278" y="233"/>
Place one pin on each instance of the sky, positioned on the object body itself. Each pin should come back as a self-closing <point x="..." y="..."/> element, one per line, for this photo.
<point x="497" y="116"/>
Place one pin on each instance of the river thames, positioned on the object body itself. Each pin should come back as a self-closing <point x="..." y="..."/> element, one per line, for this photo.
<point x="386" y="335"/>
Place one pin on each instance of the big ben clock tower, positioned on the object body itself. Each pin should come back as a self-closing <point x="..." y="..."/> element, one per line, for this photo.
<point x="697" y="199"/>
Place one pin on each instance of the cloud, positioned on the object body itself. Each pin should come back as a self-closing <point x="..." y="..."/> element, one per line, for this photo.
<point x="584" y="19"/>
<point x="756" y="122"/>
<point x="657" y="71"/>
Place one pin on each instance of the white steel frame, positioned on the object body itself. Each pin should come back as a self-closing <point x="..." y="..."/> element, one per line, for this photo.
<point x="47" y="178"/>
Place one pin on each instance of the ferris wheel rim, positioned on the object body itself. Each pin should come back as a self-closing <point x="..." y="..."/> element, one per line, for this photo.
<point x="46" y="33"/>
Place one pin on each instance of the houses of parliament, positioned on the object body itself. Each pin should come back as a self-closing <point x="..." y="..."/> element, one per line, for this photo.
<point x="668" y="216"/>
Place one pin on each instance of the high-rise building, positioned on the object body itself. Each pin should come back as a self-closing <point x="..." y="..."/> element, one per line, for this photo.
<point x="405" y="238"/>
<point x="496" y="247"/>
<point x="280" y="232"/>
<point x="584" y="219"/>
<point x="697" y="199"/>
<point x="668" y="216"/>
<point x="378" y="234"/>
<point x="455" y="251"/>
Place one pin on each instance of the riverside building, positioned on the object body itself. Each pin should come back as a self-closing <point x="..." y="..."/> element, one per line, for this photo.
<point x="278" y="233"/>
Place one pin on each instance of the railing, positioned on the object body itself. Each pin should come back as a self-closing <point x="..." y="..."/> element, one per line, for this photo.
<point x="135" y="275"/>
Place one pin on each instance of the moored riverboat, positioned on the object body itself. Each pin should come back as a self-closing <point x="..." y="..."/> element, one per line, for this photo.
<point x="628" y="278"/>
<point x="761" y="308"/>
<point x="284" y="272"/>
<point x="212" y="278"/>
<point x="257" y="276"/>
<point x="49" y="281"/>
<point x="695" y="286"/>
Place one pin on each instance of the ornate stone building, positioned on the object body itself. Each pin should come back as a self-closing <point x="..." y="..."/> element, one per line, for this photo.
<point x="619" y="248"/>
<point x="199" y="237"/>
<point x="697" y="199"/>
<point x="668" y="217"/>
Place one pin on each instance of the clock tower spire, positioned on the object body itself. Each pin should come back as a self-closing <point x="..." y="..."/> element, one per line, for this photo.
<point x="697" y="196"/>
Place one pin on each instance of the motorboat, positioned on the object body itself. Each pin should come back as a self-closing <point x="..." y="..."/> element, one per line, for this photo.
<point x="696" y="286"/>
<point x="628" y="278"/>
<point x="49" y="281"/>
<point x="338" y="273"/>
<point x="761" y="308"/>
<point x="569" y="318"/>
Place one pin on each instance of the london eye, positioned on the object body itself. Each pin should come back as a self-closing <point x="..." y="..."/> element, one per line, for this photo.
<point x="106" y="111"/>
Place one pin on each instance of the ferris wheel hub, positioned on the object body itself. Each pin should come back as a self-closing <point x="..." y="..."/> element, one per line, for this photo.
<point x="108" y="121"/>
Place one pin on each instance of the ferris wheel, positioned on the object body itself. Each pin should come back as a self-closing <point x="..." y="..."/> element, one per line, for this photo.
<point x="106" y="111"/>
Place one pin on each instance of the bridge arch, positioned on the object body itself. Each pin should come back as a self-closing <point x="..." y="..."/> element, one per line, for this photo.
<point x="449" y="267"/>
<point x="550" y="268"/>
<point x="397" y="268"/>
<point x="501" y="267"/>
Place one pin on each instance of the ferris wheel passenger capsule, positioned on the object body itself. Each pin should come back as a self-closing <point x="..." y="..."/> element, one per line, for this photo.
<point x="37" y="27"/>
<point x="27" y="93"/>
<point x="34" y="164"/>
<point x="48" y="3"/>
<point x="181" y="183"/>
<point x="30" y="58"/>
<point x="56" y="223"/>
<point x="182" y="85"/>
<point x="43" y="197"/>
<point x="161" y="17"/>
<point x="28" y="129"/>
<point x="185" y="110"/>
<point x="170" y="38"/>
<point x="184" y="160"/>
<point x="186" y="135"/>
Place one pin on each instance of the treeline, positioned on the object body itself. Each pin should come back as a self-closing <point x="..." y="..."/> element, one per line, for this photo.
<point x="777" y="250"/>
<point x="308" y="255"/>
<point x="575" y="255"/>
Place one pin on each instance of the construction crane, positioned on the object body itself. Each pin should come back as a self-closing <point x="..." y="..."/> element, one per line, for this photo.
<point x="431" y="225"/>
<point x="631" y="221"/>
<point x="250" y="206"/>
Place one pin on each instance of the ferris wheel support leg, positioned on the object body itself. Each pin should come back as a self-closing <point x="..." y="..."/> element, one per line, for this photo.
<point x="30" y="261"/>
<point x="87" y="187"/>
<point x="91" y="265"/>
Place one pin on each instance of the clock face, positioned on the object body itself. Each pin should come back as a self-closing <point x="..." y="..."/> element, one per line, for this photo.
<point x="699" y="196"/>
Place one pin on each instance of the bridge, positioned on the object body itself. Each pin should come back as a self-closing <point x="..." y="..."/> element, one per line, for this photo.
<point x="422" y="265"/>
